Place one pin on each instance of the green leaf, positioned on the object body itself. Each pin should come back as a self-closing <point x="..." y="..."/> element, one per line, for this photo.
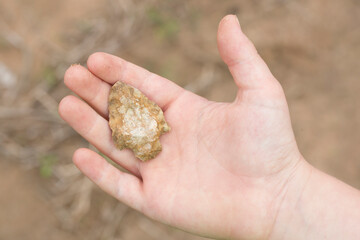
<point x="47" y="163"/>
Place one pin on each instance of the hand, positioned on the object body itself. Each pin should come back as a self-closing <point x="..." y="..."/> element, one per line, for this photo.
<point x="224" y="169"/>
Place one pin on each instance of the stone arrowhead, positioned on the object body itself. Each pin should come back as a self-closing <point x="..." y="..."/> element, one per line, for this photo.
<point x="136" y="122"/>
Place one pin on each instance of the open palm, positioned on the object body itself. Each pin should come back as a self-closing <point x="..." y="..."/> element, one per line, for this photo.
<point x="224" y="167"/>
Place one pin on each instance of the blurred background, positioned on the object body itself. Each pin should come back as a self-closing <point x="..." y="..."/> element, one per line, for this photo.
<point x="311" y="46"/>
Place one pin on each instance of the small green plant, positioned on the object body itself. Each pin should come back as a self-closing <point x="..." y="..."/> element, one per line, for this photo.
<point x="47" y="163"/>
<point x="84" y="26"/>
<point x="165" y="27"/>
<point x="49" y="76"/>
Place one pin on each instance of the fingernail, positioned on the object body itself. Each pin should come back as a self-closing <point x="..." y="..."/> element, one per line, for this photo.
<point x="237" y="19"/>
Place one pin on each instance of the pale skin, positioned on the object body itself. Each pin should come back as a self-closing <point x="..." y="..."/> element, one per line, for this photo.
<point x="227" y="170"/>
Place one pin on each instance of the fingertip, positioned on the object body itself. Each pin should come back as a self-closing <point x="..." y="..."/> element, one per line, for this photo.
<point x="74" y="75"/>
<point x="96" y="61"/>
<point x="230" y="18"/>
<point x="77" y="114"/>
<point x="87" y="162"/>
<point x="241" y="56"/>
<point x="105" y="66"/>
<point x="68" y="75"/>
<point x="230" y="39"/>
<point x="79" y="155"/>
<point x="64" y="106"/>
<point x="69" y="72"/>
<point x="229" y="26"/>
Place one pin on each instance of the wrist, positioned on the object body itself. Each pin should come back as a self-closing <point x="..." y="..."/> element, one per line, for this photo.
<point x="288" y="222"/>
<point x="317" y="206"/>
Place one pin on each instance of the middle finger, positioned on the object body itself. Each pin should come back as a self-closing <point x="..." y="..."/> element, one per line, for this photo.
<point x="96" y="130"/>
<point x="89" y="87"/>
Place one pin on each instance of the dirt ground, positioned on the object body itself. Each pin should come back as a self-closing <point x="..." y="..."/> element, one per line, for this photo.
<point x="311" y="46"/>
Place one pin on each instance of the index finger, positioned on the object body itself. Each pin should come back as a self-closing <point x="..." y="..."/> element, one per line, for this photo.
<point x="112" y="69"/>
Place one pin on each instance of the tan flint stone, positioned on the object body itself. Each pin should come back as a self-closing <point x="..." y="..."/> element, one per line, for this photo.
<point x="136" y="122"/>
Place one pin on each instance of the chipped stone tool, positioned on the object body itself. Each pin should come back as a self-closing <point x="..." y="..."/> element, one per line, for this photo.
<point x="136" y="122"/>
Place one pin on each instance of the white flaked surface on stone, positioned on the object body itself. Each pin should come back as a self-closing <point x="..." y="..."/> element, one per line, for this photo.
<point x="136" y="122"/>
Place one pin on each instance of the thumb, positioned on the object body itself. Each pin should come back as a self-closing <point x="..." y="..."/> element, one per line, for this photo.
<point x="237" y="51"/>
